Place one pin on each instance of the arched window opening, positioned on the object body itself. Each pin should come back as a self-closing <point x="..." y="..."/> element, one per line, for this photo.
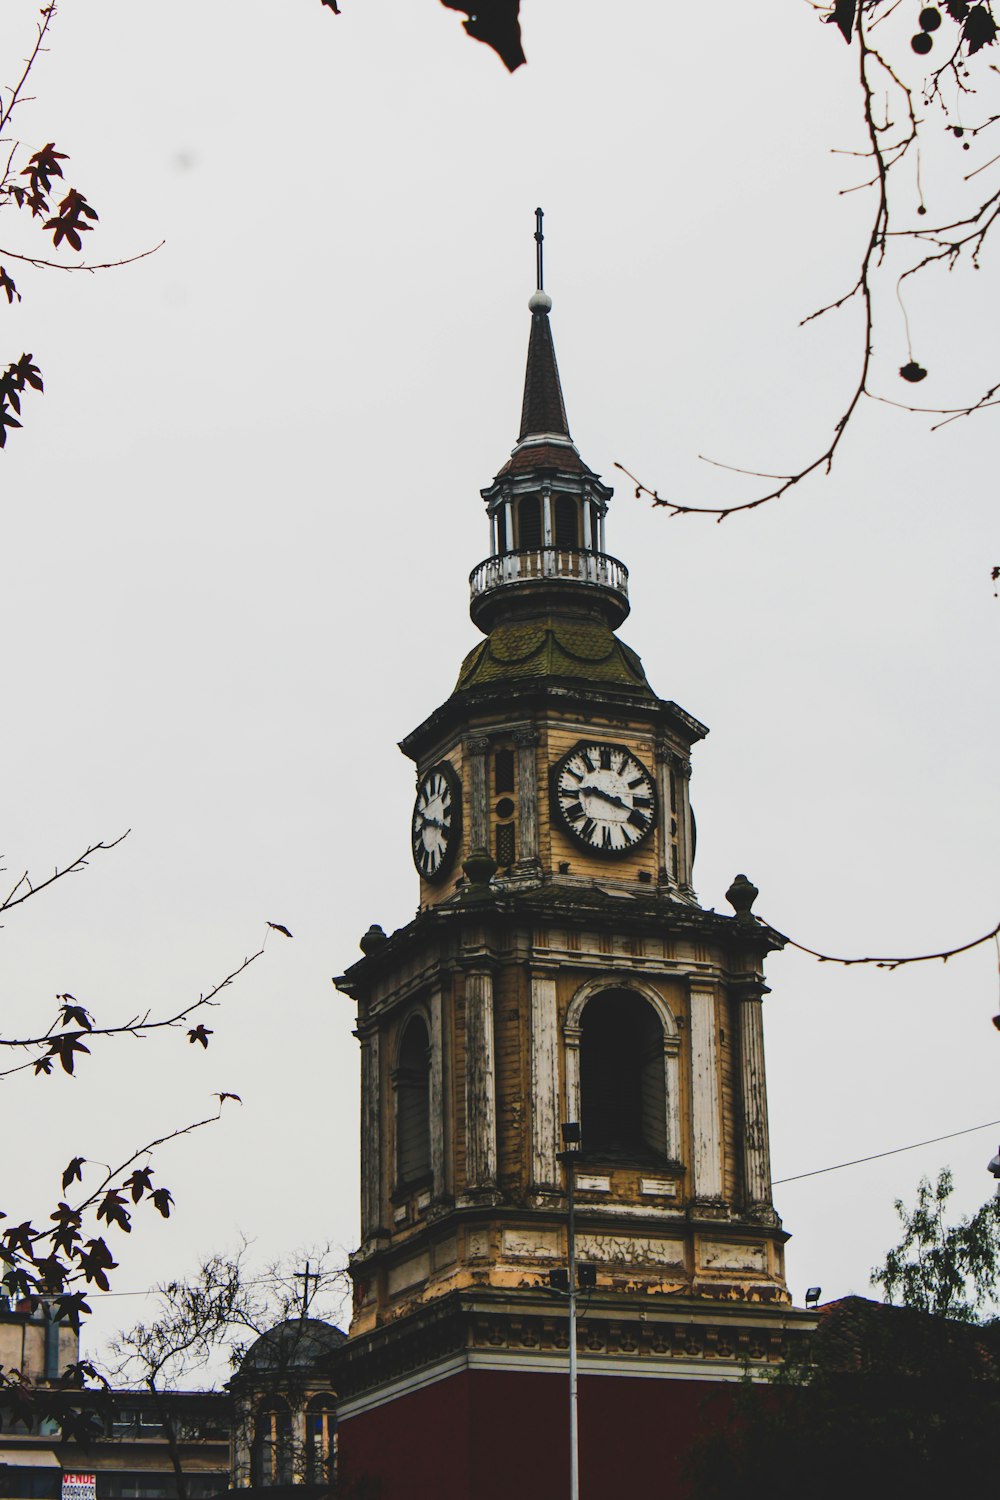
<point x="501" y="529"/>
<point x="321" y="1430"/>
<point x="623" y="1101"/>
<point x="413" y="1104"/>
<point x="567" y="534"/>
<point x="271" y="1454"/>
<point x="529" y="524"/>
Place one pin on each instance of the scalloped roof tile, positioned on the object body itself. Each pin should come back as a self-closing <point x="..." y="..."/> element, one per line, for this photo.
<point x="553" y="647"/>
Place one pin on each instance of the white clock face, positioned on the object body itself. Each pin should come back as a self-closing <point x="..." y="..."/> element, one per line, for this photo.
<point x="604" y="797"/>
<point x="436" y="821"/>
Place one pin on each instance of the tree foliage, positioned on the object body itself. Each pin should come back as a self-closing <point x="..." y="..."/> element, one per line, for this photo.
<point x="207" y="1323"/>
<point x="897" y="1398"/>
<point x="892" y="1402"/>
<point x="950" y="1270"/>
<point x="54" y="1255"/>
<point x="33" y="185"/>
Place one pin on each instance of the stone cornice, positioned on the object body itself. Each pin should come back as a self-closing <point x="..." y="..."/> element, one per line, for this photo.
<point x="464" y="711"/>
<point x="552" y="904"/>
<point x="704" y="1329"/>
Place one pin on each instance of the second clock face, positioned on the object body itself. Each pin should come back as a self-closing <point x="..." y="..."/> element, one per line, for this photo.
<point x="604" y="798"/>
<point x="436" y="825"/>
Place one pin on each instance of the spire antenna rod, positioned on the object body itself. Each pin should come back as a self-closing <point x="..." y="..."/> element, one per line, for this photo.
<point x="539" y="237"/>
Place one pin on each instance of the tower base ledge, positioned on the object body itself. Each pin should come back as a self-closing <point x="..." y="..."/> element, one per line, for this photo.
<point x="717" y="1334"/>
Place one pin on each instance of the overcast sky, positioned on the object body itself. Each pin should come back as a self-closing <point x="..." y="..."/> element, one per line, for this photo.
<point x="237" y="531"/>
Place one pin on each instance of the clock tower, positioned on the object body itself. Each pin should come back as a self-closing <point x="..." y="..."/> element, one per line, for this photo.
<point x="559" y="970"/>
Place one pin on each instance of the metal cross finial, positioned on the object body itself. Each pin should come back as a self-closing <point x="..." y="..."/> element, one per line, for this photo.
<point x="306" y="1276"/>
<point x="539" y="237"/>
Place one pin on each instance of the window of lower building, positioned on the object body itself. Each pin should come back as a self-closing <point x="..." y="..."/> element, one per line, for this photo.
<point x="271" y="1453"/>
<point x="321" y="1430"/>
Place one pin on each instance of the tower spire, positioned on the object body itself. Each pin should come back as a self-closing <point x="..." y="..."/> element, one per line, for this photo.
<point x="543" y="411"/>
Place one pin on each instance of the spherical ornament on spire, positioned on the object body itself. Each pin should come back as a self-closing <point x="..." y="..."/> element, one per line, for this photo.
<point x="540" y="301"/>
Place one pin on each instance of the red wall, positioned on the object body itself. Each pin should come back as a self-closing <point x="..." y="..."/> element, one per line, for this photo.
<point x="494" y="1435"/>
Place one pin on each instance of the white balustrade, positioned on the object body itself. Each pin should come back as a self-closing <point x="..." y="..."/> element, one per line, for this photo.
<point x="549" y="562"/>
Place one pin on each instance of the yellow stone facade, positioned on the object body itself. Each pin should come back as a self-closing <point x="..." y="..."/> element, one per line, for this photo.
<point x="545" y="981"/>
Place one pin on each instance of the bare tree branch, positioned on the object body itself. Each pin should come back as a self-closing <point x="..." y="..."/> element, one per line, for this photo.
<point x="894" y="130"/>
<point x="80" y="863"/>
<point x="138" y="1026"/>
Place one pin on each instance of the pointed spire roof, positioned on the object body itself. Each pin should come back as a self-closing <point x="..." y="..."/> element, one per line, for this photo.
<point x="543" y="410"/>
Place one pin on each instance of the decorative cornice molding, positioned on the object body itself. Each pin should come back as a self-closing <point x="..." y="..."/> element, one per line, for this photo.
<point x="693" y="1338"/>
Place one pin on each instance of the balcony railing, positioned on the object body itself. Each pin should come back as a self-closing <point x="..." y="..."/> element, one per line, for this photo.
<point x="579" y="566"/>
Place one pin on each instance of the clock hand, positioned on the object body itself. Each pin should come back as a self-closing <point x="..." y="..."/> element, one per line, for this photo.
<point x="598" y="791"/>
<point x="432" y="822"/>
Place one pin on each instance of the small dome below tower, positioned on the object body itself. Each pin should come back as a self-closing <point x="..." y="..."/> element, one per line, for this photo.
<point x="297" y="1344"/>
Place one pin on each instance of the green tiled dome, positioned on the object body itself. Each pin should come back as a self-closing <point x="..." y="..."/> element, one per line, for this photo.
<point x="553" y="647"/>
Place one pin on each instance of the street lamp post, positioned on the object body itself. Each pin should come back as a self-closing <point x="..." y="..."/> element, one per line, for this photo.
<point x="571" y="1144"/>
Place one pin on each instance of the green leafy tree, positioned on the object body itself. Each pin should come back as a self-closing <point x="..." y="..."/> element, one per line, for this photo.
<point x="950" y="1270"/>
<point x="895" y="1398"/>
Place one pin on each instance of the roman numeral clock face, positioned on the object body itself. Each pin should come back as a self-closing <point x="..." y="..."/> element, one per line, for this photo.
<point x="604" y="798"/>
<point x="436" y="826"/>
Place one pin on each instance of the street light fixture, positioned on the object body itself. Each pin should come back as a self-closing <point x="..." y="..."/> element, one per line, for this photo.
<point x="568" y="1156"/>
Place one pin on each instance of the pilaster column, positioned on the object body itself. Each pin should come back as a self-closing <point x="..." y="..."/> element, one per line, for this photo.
<point x="371" y="1136"/>
<point x="685" y="842"/>
<point x="438" y="1114"/>
<point x="706" y="1121"/>
<point x="571" y="1039"/>
<point x="546" y="518"/>
<point x="672" y="1081"/>
<point x="753" y="1096"/>
<point x="480" y="1084"/>
<point x="544" y="1084"/>
<point x="476" y="748"/>
<point x="526" y="741"/>
<point x="493" y="533"/>
<point x="664" y="761"/>
<point x="588" y="540"/>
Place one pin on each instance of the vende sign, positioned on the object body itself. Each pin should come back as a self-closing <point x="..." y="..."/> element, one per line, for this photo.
<point x="79" y="1487"/>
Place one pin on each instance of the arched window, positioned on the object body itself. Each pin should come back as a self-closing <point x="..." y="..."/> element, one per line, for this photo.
<point x="271" y="1454"/>
<point x="321" y="1428"/>
<point x="566" y="522"/>
<point x="622" y="1081"/>
<point x="501" y="529"/>
<point x="413" y="1100"/>
<point x="529" y="524"/>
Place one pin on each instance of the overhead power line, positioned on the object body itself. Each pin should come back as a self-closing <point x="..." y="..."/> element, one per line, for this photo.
<point x="860" y="1160"/>
<point x="839" y="1166"/>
